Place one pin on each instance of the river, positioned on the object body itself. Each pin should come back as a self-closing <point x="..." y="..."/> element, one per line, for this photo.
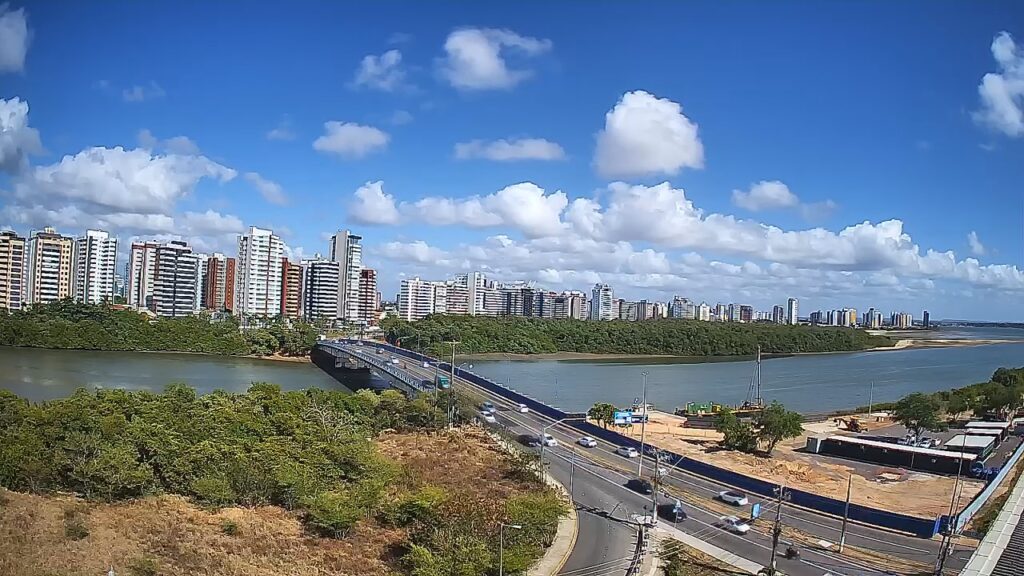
<point x="810" y="383"/>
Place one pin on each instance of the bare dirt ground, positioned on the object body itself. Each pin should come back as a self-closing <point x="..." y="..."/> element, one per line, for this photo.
<point x="881" y="487"/>
<point x="169" y="535"/>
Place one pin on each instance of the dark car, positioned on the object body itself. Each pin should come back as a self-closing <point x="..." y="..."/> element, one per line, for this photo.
<point x="673" y="512"/>
<point x="640" y="485"/>
<point x="528" y="440"/>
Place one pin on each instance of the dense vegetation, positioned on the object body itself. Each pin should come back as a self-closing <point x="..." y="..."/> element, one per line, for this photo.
<point x="312" y="451"/>
<point x="1002" y="395"/>
<point x="479" y="334"/>
<point x="72" y="325"/>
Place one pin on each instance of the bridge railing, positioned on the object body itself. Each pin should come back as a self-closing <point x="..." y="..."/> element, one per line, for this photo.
<point x="922" y="527"/>
<point x="381" y="365"/>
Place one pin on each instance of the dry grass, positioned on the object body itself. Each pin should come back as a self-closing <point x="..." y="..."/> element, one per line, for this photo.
<point x="181" y="538"/>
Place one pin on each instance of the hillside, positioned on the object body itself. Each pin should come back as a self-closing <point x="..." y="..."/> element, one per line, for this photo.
<point x="479" y="334"/>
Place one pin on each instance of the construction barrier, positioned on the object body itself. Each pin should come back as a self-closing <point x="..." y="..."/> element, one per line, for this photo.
<point x="982" y="497"/>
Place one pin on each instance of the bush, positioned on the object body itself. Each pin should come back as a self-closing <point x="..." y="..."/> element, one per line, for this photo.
<point x="421" y="505"/>
<point x="229" y="527"/>
<point x="74" y="527"/>
<point x="331" y="513"/>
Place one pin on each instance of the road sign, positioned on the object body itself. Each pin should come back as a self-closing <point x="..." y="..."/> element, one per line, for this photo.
<point x="755" y="510"/>
<point x="622" y="418"/>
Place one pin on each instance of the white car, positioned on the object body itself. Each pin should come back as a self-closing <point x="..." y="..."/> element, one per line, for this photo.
<point x="627" y="451"/>
<point x="523" y="408"/>
<point x="733" y="497"/>
<point x="734" y="524"/>
<point x="426" y="364"/>
<point x="548" y="440"/>
<point x="587" y="442"/>
<point x="488" y="417"/>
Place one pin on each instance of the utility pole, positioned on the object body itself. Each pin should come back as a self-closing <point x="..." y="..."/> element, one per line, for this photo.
<point x="954" y="500"/>
<point x="643" y="428"/>
<point x="846" y="514"/>
<point x="871" y="398"/>
<point x="451" y="388"/>
<point x="572" y="470"/>
<point x="777" y="529"/>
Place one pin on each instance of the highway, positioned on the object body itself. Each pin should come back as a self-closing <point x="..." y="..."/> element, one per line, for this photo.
<point x="607" y="535"/>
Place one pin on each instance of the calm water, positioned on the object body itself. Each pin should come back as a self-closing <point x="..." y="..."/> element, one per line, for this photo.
<point x="47" y="374"/>
<point x="815" y="383"/>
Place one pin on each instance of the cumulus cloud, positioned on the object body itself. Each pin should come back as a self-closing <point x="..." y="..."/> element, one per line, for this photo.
<point x="382" y="72"/>
<point x="371" y="205"/>
<point x="1002" y="92"/>
<point x="977" y="248"/>
<point x="14" y="38"/>
<point x="140" y="93"/>
<point x="350" y="140"/>
<point x="510" y="150"/>
<point x="475" y="58"/>
<point x="174" y="145"/>
<point x="765" y="195"/>
<point x="17" y="138"/>
<point x="271" y="191"/>
<point x="646" y="135"/>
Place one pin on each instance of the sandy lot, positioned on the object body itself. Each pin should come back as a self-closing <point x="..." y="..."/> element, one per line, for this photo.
<point x="881" y="487"/>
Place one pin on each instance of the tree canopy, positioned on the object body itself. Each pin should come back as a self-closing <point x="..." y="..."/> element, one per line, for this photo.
<point x="602" y="412"/>
<point x="481" y="334"/>
<point x="918" y="412"/>
<point x="775" y="424"/>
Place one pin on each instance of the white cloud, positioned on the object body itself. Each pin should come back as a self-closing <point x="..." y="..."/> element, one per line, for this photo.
<point x="139" y="93"/>
<point x="14" y="38"/>
<point x="401" y="117"/>
<point x="382" y="72"/>
<point x="765" y="195"/>
<point x="510" y="150"/>
<point x="373" y="206"/>
<point x="646" y="135"/>
<point x="1002" y="92"/>
<point x="271" y="191"/>
<point x="175" y="145"/>
<point x="977" y="248"/>
<point x="17" y="138"/>
<point x="475" y="58"/>
<point x="283" y="130"/>
<point x="350" y="140"/>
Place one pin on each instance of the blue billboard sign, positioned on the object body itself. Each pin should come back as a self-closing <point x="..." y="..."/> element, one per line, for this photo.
<point x="623" y="417"/>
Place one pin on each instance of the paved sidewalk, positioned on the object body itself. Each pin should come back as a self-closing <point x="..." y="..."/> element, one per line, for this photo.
<point x="708" y="548"/>
<point x="565" y="538"/>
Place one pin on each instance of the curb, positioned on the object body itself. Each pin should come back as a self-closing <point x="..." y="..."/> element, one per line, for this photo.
<point x="571" y="521"/>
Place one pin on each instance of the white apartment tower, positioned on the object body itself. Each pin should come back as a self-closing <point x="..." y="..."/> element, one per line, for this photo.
<point x="48" y="267"/>
<point x="139" y="272"/>
<point x="417" y="299"/>
<point x="320" y="289"/>
<point x="12" y="270"/>
<point x="601" y="302"/>
<point x="94" y="265"/>
<point x="258" y="273"/>
<point x="347" y="251"/>
<point x="791" y="311"/>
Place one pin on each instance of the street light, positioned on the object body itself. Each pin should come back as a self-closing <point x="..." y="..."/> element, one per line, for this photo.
<point x="451" y="390"/>
<point x="643" y="428"/>
<point x="501" y="544"/>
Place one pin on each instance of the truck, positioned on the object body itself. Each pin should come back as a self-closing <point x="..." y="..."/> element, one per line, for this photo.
<point x="442" y="382"/>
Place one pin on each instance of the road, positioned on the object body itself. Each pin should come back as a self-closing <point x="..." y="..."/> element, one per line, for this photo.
<point x="606" y="538"/>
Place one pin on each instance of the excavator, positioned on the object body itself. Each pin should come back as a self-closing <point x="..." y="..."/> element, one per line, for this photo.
<point x="852" y="424"/>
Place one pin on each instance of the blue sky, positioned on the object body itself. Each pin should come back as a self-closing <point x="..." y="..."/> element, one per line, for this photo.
<point x="744" y="151"/>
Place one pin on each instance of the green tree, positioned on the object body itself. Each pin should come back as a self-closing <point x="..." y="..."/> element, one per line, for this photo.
<point x="775" y="424"/>
<point x="736" y="435"/>
<point x="602" y="412"/>
<point x="959" y="402"/>
<point x="918" y="412"/>
<point x="1001" y="399"/>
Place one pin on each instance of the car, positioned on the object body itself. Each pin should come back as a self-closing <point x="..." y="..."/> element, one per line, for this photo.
<point x="488" y="417"/>
<point x="587" y="442"/>
<point x="733" y="497"/>
<point x="548" y="440"/>
<point x="488" y="408"/>
<point x="734" y="525"/>
<point x="927" y="442"/>
<point x="640" y="486"/>
<point x="627" y="451"/>
<point x="394" y="360"/>
<point x="426" y="364"/>
<point x="528" y="440"/>
<point x="673" y="512"/>
<point x="523" y="408"/>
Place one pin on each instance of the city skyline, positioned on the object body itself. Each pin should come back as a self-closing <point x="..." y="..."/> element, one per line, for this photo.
<point x="485" y="139"/>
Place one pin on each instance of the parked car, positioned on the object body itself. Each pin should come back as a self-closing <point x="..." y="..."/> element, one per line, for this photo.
<point x="528" y="440"/>
<point x="640" y="485"/>
<point x="673" y="511"/>
<point x="733" y="497"/>
<point x="734" y="525"/>
<point x="587" y="442"/>
<point x="548" y="440"/>
<point x="627" y="451"/>
<point x="523" y="408"/>
<point x="927" y="442"/>
<point x="488" y="417"/>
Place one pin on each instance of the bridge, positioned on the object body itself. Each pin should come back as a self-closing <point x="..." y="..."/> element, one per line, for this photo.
<point x="361" y="356"/>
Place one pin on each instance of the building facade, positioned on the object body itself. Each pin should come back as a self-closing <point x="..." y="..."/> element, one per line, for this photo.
<point x="320" y="289"/>
<point x="368" y="297"/>
<point x="419" y="298"/>
<point x="12" y="271"/>
<point x="95" y="260"/>
<point x="258" y="273"/>
<point x="792" y="311"/>
<point x="219" y="283"/>
<point x="48" y="267"/>
<point x="347" y="251"/>
<point x="926" y="320"/>
<point x="175" y="277"/>
<point x="778" y="315"/>
<point x="602" y="300"/>
<point x="291" y="289"/>
<point x="140" y="273"/>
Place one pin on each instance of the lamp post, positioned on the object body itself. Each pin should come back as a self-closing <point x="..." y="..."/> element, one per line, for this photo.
<point x="643" y="427"/>
<point x="451" y="386"/>
<point x="501" y="544"/>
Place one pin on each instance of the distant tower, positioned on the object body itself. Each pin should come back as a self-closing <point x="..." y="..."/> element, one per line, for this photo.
<point x="791" y="311"/>
<point x="925" y="320"/>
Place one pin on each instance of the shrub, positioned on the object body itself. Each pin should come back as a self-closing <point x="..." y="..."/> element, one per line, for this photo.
<point x="229" y="527"/>
<point x="331" y="513"/>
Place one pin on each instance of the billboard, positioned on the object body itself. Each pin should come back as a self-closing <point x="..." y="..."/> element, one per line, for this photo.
<point x="623" y="417"/>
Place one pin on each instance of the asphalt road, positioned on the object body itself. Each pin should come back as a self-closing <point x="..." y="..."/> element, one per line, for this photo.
<point x="607" y="536"/>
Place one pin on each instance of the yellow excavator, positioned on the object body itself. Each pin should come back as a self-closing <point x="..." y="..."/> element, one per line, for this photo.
<point x="852" y="424"/>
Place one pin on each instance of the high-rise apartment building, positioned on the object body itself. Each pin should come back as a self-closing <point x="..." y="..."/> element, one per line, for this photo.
<point x="746" y="313"/>
<point x="175" y="276"/>
<point x="704" y="312"/>
<point x="627" y="311"/>
<point x="48" y="267"/>
<point x="570" y="304"/>
<point x="901" y="320"/>
<point x="418" y="298"/>
<point x="347" y="251"/>
<point x="816" y="317"/>
<point x="778" y="315"/>
<point x="792" y="311"/>
<point x="291" y="289"/>
<point x="140" y="273"/>
<point x="12" y="271"/>
<point x="219" y="283"/>
<point x="93" y="267"/>
<point x="368" y="297"/>
<point x="926" y="320"/>
<point x="320" y="289"/>
<point x="601" y="303"/>
<point x="258" y="273"/>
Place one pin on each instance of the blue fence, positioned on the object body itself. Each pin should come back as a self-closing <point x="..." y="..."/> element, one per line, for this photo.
<point x="922" y="527"/>
<point x="971" y="509"/>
